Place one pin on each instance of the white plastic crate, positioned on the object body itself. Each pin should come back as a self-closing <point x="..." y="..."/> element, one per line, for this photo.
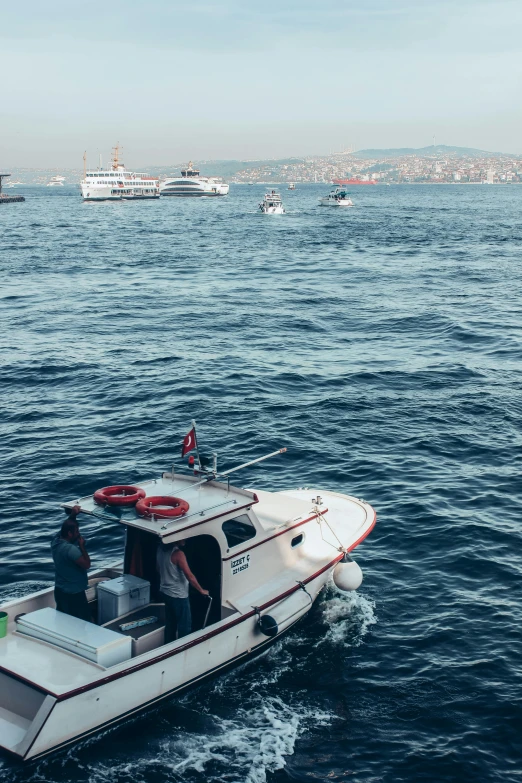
<point x="120" y="596"/>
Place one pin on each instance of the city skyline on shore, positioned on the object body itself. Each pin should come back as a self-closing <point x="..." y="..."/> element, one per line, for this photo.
<point x="228" y="80"/>
<point x="93" y="160"/>
<point x="429" y="165"/>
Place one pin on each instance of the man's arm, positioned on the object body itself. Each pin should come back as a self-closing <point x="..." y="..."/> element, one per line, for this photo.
<point x="84" y="561"/>
<point x="179" y="559"/>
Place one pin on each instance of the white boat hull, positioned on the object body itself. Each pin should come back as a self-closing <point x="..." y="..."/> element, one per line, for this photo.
<point x="273" y="211"/>
<point x="66" y="718"/>
<point x="111" y="193"/>
<point x="85" y="713"/>
<point x="344" y="202"/>
<point x="194" y="188"/>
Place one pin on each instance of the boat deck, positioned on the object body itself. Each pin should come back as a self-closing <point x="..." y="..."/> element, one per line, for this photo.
<point x="44" y="665"/>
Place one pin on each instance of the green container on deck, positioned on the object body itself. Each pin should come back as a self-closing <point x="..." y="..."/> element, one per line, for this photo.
<point x="3" y="624"/>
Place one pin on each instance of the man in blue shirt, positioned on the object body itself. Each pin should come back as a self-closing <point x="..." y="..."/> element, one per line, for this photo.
<point x="71" y="562"/>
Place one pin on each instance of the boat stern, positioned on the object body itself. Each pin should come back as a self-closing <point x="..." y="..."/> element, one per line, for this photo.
<point x="23" y="713"/>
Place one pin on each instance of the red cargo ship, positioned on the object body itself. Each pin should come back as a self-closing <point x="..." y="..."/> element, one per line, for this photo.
<point x="355" y="181"/>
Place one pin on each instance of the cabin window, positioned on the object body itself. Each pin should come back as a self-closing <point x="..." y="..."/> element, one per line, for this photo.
<point x="238" y="530"/>
<point x="298" y="540"/>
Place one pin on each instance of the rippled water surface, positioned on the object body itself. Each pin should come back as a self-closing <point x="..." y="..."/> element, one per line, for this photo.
<point x="381" y="345"/>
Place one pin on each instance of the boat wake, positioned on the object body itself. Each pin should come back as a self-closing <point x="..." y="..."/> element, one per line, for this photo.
<point x="349" y="616"/>
<point x="240" y="749"/>
<point x="255" y="741"/>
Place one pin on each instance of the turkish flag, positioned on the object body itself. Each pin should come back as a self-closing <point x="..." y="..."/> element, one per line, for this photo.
<point x="189" y="442"/>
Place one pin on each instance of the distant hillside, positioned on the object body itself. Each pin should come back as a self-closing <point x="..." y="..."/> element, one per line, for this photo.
<point x="441" y="150"/>
<point x="224" y="168"/>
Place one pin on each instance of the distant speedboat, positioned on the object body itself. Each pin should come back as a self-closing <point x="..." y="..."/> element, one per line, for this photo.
<point x="56" y="182"/>
<point x="336" y="198"/>
<point x="272" y="204"/>
<point x="191" y="184"/>
<point x="291" y="186"/>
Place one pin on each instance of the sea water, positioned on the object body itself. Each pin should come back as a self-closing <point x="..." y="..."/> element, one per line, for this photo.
<point x="381" y="345"/>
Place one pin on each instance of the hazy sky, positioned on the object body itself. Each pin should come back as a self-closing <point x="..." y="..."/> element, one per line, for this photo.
<point x="173" y="80"/>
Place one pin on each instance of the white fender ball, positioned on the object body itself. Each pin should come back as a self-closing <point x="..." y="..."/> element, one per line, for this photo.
<point x="347" y="576"/>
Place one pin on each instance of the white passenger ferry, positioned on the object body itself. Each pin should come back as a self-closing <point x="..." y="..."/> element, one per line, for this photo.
<point x="263" y="556"/>
<point x="192" y="184"/>
<point x="117" y="183"/>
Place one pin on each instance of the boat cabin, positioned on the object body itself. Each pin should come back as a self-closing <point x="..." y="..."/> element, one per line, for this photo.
<point x="221" y="527"/>
<point x="190" y="171"/>
<point x="218" y="522"/>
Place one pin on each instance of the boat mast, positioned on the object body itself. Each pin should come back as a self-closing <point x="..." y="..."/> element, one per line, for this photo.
<point x="116" y="156"/>
<point x="85" y="164"/>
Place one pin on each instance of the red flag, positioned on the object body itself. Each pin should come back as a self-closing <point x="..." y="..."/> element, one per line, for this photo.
<point x="189" y="442"/>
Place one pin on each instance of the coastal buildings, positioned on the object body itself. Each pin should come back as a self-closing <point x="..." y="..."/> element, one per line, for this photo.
<point x="438" y="167"/>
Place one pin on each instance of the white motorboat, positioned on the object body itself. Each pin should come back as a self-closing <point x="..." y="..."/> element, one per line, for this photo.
<point x="263" y="556"/>
<point x="272" y="204"/>
<point x="191" y="184"/>
<point x="291" y="186"/>
<point x="336" y="198"/>
<point x="117" y="183"/>
<point x="56" y="182"/>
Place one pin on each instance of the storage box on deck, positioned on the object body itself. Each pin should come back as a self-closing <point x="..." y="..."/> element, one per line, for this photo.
<point x="144" y="637"/>
<point x="100" y="645"/>
<point x="120" y="596"/>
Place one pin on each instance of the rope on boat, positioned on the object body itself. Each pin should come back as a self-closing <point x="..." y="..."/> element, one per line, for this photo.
<point x="321" y="518"/>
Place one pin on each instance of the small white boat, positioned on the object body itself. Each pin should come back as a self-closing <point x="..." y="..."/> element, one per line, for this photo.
<point x="56" y="182"/>
<point x="291" y="186"/>
<point x="263" y="556"/>
<point x="272" y="204"/>
<point x="336" y="198"/>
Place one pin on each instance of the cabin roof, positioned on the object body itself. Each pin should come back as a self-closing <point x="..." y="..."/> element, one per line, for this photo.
<point x="206" y="501"/>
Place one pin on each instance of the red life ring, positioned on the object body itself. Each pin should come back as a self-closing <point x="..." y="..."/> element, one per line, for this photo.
<point x="121" y="495"/>
<point x="176" y="507"/>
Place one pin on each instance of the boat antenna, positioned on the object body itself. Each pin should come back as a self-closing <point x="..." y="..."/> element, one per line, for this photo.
<point x="212" y="476"/>
<point x="85" y="164"/>
<point x="252" y="462"/>
<point x="196" y="442"/>
<point x="190" y="443"/>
